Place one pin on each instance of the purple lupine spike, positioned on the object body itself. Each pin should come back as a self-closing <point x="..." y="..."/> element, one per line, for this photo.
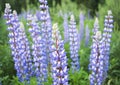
<point x="13" y="34"/>
<point x="73" y="36"/>
<point x="59" y="59"/>
<point x="95" y="30"/>
<point x="46" y="35"/>
<point x="108" y="26"/>
<point x="65" y="25"/>
<point x="24" y="52"/>
<point x="87" y="35"/>
<point x="81" y="30"/>
<point x="20" y="55"/>
<point x="96" y="60"/>
<point x="38" y="59"/>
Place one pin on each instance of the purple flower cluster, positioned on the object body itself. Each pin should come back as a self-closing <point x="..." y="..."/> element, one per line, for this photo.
<point x="24" y="53"/>
<point x="48" y="54"/>
<point x="46" y="35"/>
<point x="99" y="58"/>
<point x="19" y="45"/>
<point x="38" y="59"/>
<point x="108" y="26"/>
<point x="95" y="61"/>
<point x="59" y="60"/>
<point x="73" y="40"/>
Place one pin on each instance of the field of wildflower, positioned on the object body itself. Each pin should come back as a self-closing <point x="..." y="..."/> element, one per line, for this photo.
<point x="60" y="42"/>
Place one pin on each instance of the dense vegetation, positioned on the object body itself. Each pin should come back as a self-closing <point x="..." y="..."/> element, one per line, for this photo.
<point x="58" y="11"/>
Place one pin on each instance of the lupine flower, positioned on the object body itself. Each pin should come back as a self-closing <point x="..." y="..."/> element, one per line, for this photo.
<point x="46" y="35"/>
<point x="106" y="41"/>
<point x="87" y="35"/>
<point x="38" y="59"/>
<point x="20" y="50"/>
<point x="13" y="34"/>
<point x="73" y="36"/>
<point x="96" y="61"/>
<point x="65" y="25"/>
<point x="59" y="59"/>
<point x="81" y="30"/>
<point x="24" y="53"/>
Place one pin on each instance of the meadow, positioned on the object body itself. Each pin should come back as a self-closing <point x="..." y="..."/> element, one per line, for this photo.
<point x="60" y="45"/>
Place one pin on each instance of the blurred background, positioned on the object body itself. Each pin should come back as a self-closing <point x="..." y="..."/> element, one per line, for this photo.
<point x="58" y="8"/>
<point x="91" y="8"/>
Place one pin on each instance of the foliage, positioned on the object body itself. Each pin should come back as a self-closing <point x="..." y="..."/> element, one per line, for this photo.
<point x="114" y="69"/>
<point x="113" y="5"/>
<point x="79" y="78"/>
<point x="91" y="5"/>
<point x="6" y="65"/>
<point x="3" y="32"/>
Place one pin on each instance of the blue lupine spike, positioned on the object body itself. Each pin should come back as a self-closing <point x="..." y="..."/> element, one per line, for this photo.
<point x="96" y="60"/>
<point x="36" y="47"/>
<point x="73" y="39"/>
<point x="106" y="41"/>
<point x="24" y="51"/>
<point x="59" y="59"/>
<point x="99" y="58"/>
<point x="13" y="34"/>
<point x="46" y="35"/>
<point x="17" y="43"/>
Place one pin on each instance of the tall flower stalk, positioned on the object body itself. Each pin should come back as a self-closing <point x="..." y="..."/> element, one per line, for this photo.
<point x="99" y="58"/>
<point x="37" y="53"/>
<point x="108" y="26"/>
<point x="96" y="61"/>
<point x="24" y="53"/>
<point x="73" y="39"/>
<point x="46" y="35"/>
<point x="59" y="60"/>
<point x="19" y="45"/>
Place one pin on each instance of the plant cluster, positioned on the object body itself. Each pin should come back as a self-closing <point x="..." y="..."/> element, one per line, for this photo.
<point x="46" y="57"/>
